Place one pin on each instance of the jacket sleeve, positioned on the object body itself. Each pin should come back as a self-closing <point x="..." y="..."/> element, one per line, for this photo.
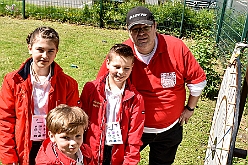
<point x="42" y="159"/>
<point x="46" y="155"/>
<point x="72" y="98"/>
<point x="87" y="154"/>
<point x="8" y="152"/>
<point x="85" y="97"/>
<point x="136" y="128"/>
<point x="193" y="73"/>
<point x="103" y="69"/>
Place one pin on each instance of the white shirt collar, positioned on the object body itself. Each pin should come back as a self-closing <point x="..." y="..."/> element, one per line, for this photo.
<point x="33" y="79"/>
<point x="107" y="88"/>
<point x="79" y="156"/>
<point x="147" y="57"/>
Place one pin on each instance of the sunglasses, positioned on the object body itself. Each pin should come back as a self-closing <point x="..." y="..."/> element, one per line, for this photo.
<point x="145" y="29"/>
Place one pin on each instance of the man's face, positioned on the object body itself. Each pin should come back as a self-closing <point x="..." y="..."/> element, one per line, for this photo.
<point x="143" y="36"/>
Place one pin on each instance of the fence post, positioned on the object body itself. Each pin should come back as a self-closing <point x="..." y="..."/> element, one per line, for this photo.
<point x="229" y="4"/>
<point x="221" y="21"/>
<point x="245" y="30"/>
<point x="181" y="27"/>
<point x="101" y="11"/>
<point x="23" y="9"/>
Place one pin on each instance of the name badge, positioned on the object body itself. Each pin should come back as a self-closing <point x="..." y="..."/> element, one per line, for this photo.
<point x="113" y="134"/>
<point x="38" y="128"/>
<point x="168" y="80"/>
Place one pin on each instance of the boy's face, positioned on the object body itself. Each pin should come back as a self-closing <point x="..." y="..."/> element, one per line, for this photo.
<point x="43" y="52"/>
<point x="69" y="144"/>
<point x="119" y="68"/>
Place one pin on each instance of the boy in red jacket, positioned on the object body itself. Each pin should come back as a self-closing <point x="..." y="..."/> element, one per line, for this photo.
<point x="66" y="126"/>
<point x="115" y="110"/>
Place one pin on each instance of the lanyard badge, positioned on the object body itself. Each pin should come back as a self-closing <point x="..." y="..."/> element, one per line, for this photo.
<point x="38" y="128"/>
<point x="113" y="134"/>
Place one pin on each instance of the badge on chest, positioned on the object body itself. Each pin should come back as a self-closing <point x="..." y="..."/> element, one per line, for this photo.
<point x="113" y="133"/>
<point x="38" y="128"/>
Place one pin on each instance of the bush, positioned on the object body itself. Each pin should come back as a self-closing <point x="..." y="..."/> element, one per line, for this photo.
<point x="10" y="9"/>
<point x="204" y="51"/>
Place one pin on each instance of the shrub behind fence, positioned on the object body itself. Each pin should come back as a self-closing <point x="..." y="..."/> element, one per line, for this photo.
<point x="111" y="14"/>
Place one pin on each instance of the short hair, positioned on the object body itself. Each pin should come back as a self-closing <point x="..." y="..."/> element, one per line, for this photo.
<point x="122" y="50"/>
<point x="43" y="32"/>
<point x="66" y="119"/>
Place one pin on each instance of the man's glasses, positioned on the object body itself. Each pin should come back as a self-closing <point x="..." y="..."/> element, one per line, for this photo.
<point x="145" y="29"/>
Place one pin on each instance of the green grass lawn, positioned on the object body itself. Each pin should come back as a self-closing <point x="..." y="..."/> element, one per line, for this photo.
<point x="86" y="47"/>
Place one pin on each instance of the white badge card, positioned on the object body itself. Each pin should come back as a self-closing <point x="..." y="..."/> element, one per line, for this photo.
<point x="113" y="135"/>
<point x="38" y="128"/>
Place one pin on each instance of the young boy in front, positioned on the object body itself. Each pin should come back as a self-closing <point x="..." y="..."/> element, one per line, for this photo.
<point x="66" y="126"/>
<point x="115" y="110"/>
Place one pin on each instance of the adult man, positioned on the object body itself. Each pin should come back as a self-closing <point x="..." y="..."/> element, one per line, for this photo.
<point x="162" y="67"/>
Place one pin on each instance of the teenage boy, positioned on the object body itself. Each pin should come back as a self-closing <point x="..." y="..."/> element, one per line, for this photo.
<point x="115" y="110"/>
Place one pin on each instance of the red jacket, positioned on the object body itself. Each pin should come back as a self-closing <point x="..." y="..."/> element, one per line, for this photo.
<point x="131" y="122"/>
<point x="47" y="155"/>
<point x="16" y="109"/>
<point x="162" y="81"/>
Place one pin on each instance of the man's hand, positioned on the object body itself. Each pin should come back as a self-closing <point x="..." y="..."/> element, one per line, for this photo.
<point x="185" y="115"/>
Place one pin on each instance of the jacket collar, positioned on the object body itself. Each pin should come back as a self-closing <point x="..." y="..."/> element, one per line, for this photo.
<point x="55" y="155"/>
<point x="24" y="71"/>
<point x="50" y="151"/>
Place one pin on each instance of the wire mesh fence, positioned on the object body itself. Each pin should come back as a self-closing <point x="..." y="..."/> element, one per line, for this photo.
<point x="232" y="26"/>
<point x="60" y="3"/>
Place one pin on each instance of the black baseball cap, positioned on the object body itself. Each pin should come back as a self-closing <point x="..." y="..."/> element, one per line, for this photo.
<point x="139" y="15"/>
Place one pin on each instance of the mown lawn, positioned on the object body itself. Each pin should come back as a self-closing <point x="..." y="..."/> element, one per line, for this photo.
<point x="86" y="47"/>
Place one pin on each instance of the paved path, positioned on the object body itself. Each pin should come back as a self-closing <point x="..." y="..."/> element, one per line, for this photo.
<point x="240" y="5"/>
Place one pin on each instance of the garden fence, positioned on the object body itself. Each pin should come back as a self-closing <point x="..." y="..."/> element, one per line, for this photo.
<point x="232" y="26"/>
<point x="108" y="14"/>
